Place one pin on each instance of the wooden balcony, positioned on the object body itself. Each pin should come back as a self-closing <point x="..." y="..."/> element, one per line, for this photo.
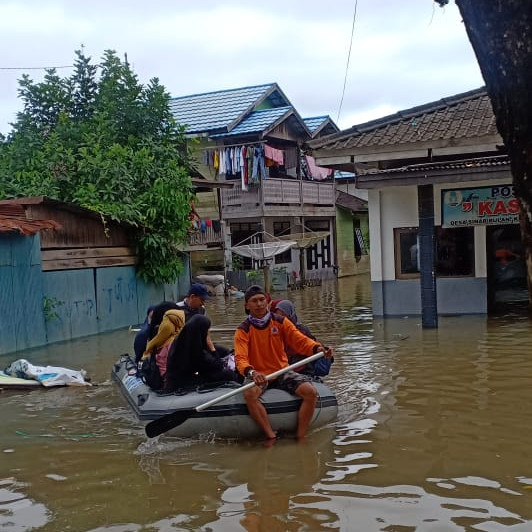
<point x="281" y="197"/>
<point x="199" y="240"/>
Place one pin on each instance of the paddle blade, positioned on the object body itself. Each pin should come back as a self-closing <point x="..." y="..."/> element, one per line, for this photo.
<point x="167" y="422"/>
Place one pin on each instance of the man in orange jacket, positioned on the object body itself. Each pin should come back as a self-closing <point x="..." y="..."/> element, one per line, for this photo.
<point x="260" y="350"/>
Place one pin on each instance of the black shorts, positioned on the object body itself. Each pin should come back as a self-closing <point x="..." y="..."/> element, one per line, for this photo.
<point x="289" y="381"/>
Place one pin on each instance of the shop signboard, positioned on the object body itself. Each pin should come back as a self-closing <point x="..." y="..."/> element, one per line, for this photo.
<point x="493" y="205"/>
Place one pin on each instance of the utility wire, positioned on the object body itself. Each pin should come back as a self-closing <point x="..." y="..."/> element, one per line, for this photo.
<point x="36" y="68"/>
<point x="348" y="59"/>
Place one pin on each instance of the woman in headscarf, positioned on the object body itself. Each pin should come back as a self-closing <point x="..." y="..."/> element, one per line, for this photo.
<point x="320" y="367"/>
<point x="171" y="325"/>
<point x="157" y="316"/>
<point x="190" y="361"/>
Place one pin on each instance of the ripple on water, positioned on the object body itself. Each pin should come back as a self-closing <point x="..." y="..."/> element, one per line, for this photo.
<point x="18" y="513"/>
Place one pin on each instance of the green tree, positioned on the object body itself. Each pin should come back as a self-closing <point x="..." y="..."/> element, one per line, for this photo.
<point x="109" y="144"/>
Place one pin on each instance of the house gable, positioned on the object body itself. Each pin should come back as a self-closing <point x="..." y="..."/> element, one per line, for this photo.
<point x="221" y="111"/>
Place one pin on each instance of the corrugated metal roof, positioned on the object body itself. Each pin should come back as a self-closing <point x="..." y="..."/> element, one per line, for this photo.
<point x="314" y="122"/>
<point x="218" y="111"/>
<point x="13" y="219"/>
<point x="464" y="115"/>
<point x="258" y="121"/>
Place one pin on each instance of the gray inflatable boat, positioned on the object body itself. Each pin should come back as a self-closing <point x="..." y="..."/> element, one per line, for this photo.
<point x="227" y="419"/>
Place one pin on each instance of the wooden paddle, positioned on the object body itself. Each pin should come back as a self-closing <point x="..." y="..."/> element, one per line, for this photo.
<point x="169" y="421"/>
<point x="221" y="328"/>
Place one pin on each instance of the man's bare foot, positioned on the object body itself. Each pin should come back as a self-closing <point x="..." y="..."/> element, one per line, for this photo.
<point x="269" y="442"/>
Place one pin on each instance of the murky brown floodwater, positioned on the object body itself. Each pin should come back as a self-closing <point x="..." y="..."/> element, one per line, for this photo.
<point x="434" y="434"/>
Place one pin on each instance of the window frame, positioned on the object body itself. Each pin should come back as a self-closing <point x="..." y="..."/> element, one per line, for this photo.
<point x="399" y="231"/>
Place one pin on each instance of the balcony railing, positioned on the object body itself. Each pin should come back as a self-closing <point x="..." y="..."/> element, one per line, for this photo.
<point x="280" y="191"/>
<point x="206" y="238"/>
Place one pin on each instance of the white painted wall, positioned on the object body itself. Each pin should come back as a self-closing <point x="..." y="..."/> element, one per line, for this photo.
<point x="397" y="207"/>
<point x="393" y="207"/>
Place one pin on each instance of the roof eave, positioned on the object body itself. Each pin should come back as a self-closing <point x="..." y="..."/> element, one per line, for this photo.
<point x="390" y="152"/>
<point x="427" y="177"/>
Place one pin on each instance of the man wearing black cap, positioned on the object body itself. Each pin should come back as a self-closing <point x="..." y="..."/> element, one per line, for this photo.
<point x="260" y="342"/>
<point x="194" y="302"/>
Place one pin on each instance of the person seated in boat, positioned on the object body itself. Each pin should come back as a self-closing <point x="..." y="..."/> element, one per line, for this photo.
<point x="194" y="301"/>
<point x="192" y="361"/>
<point x="273" y="304"/>
<point x="318" y="368"/>
<point x="157" y="316"/>
<point x="142" y="336"/>
<point x="171" y="325"/>
<point x="260" y="349"/>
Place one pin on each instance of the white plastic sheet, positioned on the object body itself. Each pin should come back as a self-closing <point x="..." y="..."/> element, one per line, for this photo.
<point x="47" y="375"/>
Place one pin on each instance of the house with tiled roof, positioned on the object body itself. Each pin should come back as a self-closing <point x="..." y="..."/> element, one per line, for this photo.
<point x="443" y="218"/>
<point x="254" y="139"/>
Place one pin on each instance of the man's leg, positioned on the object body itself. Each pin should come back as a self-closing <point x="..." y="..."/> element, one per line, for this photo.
<point x="258" y="412"/>
<point x="309" y="394"/>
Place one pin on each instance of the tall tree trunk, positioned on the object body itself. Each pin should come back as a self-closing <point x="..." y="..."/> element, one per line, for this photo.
<point x="500" y="32"/>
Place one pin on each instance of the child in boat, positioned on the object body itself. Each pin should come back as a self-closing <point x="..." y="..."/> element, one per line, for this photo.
<point x="318" y="368"/>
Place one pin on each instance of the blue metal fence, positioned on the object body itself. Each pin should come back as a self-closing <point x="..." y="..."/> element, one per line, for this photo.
<point x="39" y="307"/>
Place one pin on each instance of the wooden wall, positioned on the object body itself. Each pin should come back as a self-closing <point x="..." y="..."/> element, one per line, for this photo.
<point x="84" y="241"/>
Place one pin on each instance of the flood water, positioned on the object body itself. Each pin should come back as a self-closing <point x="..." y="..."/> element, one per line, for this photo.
<point x="434" y="434"/>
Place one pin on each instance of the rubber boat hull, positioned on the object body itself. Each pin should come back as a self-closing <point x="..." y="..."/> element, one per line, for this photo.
<point x="227" y="419"/>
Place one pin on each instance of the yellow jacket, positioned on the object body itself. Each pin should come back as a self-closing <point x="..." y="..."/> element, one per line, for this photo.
<point x="171" y="325"/>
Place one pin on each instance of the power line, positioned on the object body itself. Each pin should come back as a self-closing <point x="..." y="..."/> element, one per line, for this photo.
<point x="36" y="68"/>
<point x="348" y="59"/>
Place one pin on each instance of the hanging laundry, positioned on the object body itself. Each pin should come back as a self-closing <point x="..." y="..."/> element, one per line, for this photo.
<point x="259" y="168"/>
<point x="249" y="164"/>
<point x="317" y="172"/>
<point x="277" y="156"/>
<point x="228" y="167"/>
<point x="216" y="226"/>
<point x="244" y="168"/>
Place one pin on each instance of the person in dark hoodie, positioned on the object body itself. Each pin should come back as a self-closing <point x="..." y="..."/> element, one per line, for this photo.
<point x="142" y="336"/>
<point x="191" y="361"/>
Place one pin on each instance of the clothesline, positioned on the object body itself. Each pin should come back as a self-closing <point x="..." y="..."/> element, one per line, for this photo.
<point x="252" y="162"/>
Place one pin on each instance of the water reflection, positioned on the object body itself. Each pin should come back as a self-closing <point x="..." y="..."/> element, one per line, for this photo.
<point x="17" y="512"/>
<point x="433" y="434"/>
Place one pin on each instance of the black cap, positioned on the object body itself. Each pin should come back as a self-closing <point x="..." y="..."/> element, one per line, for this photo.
<point x="253" y="291"/>
<point x="198" y="289"/>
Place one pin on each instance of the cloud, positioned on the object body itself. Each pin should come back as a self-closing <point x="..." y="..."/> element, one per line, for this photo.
<point x="403" y="53"/>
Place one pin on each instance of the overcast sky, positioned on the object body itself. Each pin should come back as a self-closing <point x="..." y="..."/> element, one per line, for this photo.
<point x="404" y="52"/>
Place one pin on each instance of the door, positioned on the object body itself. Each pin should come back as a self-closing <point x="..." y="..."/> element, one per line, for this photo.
<point x="507" y="286"/>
